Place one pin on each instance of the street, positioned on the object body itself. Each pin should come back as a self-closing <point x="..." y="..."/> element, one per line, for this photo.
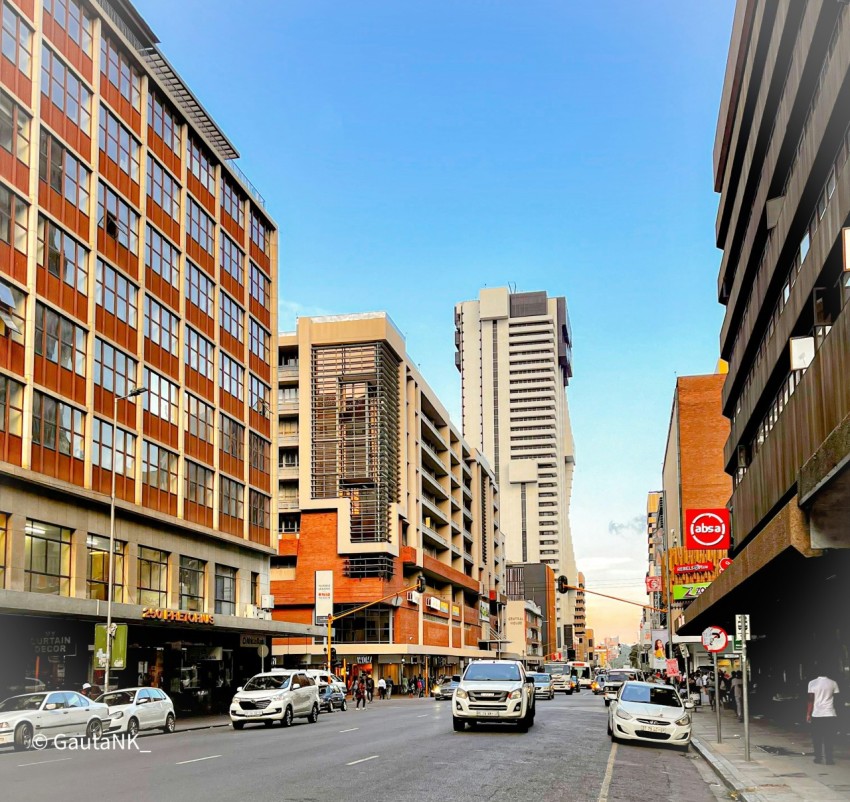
<point x="399" y="749"/>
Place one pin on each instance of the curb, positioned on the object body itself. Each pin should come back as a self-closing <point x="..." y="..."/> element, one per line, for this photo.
<point x="726" y="772"/>
<point x="199" y="726"/>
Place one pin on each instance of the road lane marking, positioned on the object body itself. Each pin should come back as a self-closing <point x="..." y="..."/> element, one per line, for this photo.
<point x="196" y="760"/>
<point x="350" y="729"/>
<point x="362" y="760"/>
<point x="42" y="762"/>
<point x="424" y="715"/>
<point x="609" y="773"/>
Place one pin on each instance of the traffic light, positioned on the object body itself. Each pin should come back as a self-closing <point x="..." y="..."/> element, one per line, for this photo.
<point x="563" y="584"/>
<point x="333" y="654"/>
<point x="420" y="584"/>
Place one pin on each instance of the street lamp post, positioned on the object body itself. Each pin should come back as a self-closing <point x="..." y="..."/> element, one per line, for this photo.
<point x="109" y="633"/>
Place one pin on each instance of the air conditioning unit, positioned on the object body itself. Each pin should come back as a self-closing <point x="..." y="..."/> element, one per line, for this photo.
<point x="267" y="601"/>
<point x="413" y="597"/>
<point x="250" y="611"/>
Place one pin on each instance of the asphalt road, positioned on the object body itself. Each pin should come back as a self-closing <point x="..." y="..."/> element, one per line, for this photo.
<point x="394" y="750"/>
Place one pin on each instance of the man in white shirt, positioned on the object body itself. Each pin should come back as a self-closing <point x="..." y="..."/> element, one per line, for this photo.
<point x="821" y="715"/>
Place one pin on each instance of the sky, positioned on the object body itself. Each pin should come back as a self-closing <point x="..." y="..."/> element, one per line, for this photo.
<point x="413" y="152"/>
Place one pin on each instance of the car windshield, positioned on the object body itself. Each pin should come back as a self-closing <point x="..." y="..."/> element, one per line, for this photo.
<point x="268" y="682"/>
<point x="541" y="679"/>
<point x="31" y="701"/>
<point x="117" y="698"/>
<point x="492" y="671"/>
<point x="619" y="677"/>
<point x="645" y="694"/>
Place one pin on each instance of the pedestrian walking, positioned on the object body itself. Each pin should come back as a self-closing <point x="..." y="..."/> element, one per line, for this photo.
<point x="820" y="713"/>
<point x="360" y="694"/>
<point x="370" y="687"/>
<point x="382" y="689"/>
<point x="390" y="687"/>
<point x="737" y="686"/>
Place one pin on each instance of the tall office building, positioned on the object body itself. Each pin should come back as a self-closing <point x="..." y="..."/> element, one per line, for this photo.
<point x="133" y="254"/>
<point x="515" y="360"/>
<point x="782" y="170"/>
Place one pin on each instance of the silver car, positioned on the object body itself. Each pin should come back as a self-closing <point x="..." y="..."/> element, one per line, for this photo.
<point x="275" y="696"/>
<point x="48" y="716"/>
<point x="135" y="709"/>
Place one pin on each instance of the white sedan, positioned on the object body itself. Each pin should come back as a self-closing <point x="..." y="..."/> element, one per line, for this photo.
<point x="135" y="709"/>
<point x="649" y="712"/>
<point x="48" y="716"/>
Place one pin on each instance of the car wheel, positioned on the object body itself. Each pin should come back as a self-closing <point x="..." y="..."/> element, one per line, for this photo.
<point x="133" y="727"/>
<point x="685" y="747"/>
<point x="568" y="693"/>
<point x="286" y="721"/>
<point x="314" y="714"/>
<point x="94" y="730"/>
<point x="344" y="705"/>
<point x="607" y="703"/>
<point x="458" y="724"/>
<point x="169" y="724"/>
<point x="237" y="725"/>
<point x="268" y="723"/>
<point x="23" y="738"/>
<point x="608" y="728"/>
<point x="522" y="725"/>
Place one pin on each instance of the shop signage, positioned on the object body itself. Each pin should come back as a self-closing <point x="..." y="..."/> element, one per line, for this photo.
<point x="456" y="610"/>
<point x="707" y="529"/>
<point x="694" y="568"/>
<point x="180" y="616"/>
<point x="363" y="659"/>
<point x="119" y="646"/>
<point x="52" y="644"/>
<point x="324" y="596"/>
<point x="724" y="564"/>
<point x="689" y="591"/>
<point x="252" y="640"/>
<point x="484" y="610"/>
<point x="672" y="667"/>
<point x="653" y="584"/>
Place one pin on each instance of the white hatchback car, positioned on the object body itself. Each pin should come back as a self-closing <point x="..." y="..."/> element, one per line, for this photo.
<point x="276" y="696"/>
<point x="135" y="709"/>
<point x="645" y="711"/>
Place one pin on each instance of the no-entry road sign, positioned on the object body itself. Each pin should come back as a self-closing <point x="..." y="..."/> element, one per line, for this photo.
<point x="715" y="639"/>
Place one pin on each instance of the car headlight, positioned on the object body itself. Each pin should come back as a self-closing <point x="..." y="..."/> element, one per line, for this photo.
<point x="684" y="720"/>
<point x="623" y="714"/>
<point x="460" y="693"/>
<point x="117" y="715"/>
<point x="517" y="694"/>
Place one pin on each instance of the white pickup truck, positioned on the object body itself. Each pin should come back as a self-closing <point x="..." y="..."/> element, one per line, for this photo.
<point x="494" y="690"/>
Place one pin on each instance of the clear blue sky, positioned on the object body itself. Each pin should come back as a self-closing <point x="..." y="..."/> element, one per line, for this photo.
<point x="412" y="152"/>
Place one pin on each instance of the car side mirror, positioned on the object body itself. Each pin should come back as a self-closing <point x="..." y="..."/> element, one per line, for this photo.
<point x="51" y="706"/>
<point x="295" y="686"/>
<point x="529" y="680"/>
<point x="689" y="705"/>
<point x="239" y="689"/>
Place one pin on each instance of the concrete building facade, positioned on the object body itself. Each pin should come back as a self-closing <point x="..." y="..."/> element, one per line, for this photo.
<point x="377" y="487"/>
<point x="515" y="360"/>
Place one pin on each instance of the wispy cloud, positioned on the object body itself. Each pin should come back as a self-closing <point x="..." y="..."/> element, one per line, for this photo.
<point x="289" y="311"/>
<point x="628" y="529"/>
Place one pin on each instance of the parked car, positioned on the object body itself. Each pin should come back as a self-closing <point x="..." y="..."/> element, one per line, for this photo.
<point x="332" y="697"/>
<point x="53" y="714"/>
<point x="275" y="696"/>
<point x="645" y="711"/>
<point x="135" y="709"/>
<point x="446" y="689"/>
<point x="543" y="687"/>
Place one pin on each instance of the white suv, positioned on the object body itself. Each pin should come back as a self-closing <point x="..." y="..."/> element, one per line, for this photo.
<point x="276" y="696"/>
<point x="494" y="690"/>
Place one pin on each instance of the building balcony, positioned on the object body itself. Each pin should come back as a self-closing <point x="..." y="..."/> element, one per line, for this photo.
<point x="287" y="373"/>
<point x="432" y="460"/>
<point x="287" y="407"/>
<point x="431" y="565"/>
<point x="428" y="534"/>
<point x="287" y="503"/>
<point x="432" y="483"/>
<point x="290" y="440"/>
<point x="287" y="471"/>
<point x="431" y="507"/>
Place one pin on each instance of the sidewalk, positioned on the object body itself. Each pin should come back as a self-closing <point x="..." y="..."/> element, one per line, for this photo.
<point x="781" y="767"/>
<point x="187" y="723"/>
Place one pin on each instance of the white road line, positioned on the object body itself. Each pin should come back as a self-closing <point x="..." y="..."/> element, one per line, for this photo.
<point x="350" y="729"/>
<point x="42" y="762"/>
<point x="196" y="760"/>
<point x="362" y="760"/>
<point x="424" y="716"/>
<point x="609" y="773"/>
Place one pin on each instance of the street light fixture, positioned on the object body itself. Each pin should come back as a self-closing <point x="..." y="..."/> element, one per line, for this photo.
<point x="110" y="634"/>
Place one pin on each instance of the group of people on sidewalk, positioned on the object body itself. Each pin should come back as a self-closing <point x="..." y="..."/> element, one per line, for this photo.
<point x="363" y="688"/>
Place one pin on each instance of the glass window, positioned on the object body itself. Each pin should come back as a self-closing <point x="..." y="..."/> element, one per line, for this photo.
<point x="232" y="259"/>
<point x="59" y="340"/>
<point x="11" y="406"/>
<point x="260" y="510"/>
<point x="98" y="568"/>
<point x="199" y="289"/>
<point x="201" y="165"/>
<point x="231" y="498"/>
<point x="117" y="219"/>
<point x="199" y="484"/>
<point x="74" y="20"/>
<point x="232" y="202"/>
<point x="259" y="397"/>
<point x="200" y="226"/>
<point x="124" y="449"/>
<point x="58" y="426"/>
<point x="116" y="294"/>
<point x="13" y="219"/>
<point x="260" y="341"/>
<point x="232" y="437"/>
<point x="153" y="577"/>
<point x="14" y="128"/>
<point x="261" y="286"/>
<point x="232" y="317"/>
<point x="47" y="559"/>
<point x="66" y="91"/>
<point x="192" y="584"/>
<point x="162" y="327"/>
<point x="114" y="370"/>
<point x="120" y="145"/>
<point x="200" y="353"/>
<point x="161" y="397"/>
<point x="260" y="451"/>
<point x="260" y="233"/>
<point x="116" y="67"/>
<point x="164" y="122"/>
<point x="199" y="419"/>
<point x="162" y="257"/>
<point x="163" y="189"/>
<point x="225" y="590"/>
<point x="17" y="40"/>
<point x="159" y="468"/>
<point x="61" y="255"/>
<point x="231" y="376"/>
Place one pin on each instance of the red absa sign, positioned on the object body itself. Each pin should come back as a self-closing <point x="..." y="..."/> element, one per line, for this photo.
<point x="707" y="529"/>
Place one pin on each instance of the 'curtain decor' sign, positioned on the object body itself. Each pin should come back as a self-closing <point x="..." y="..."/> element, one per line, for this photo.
<point x="179" y="616"/>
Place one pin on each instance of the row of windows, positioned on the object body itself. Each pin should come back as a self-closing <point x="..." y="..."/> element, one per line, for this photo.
<point x="162" y="257"/>
<point x="63" y="172"/>
<point x="164" y="122"/>
<point x="65" y="90"/>
<point x="74" y="20"/>
<point x="200" y="165"/>
<point x="14" y="128"/>
<point x="115" y="65"/>
<point x="57" y="426"/>
<point x="114" y="370"/>
<point x="161" y="326"/>
<point x="60" y="340"/>
<point x="17" y="40"/>
<point x="200" y="226"/>
<point x="119" y="144"/>
<point x="163" y="189"/>
<point x="62" y="255"/>
<point x="232" y="259"/>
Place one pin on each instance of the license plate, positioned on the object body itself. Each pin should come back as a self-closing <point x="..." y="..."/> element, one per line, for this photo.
<point x="253" y="712"/>
<point x="493" y="713"/>
<point x="650" y="728"/>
